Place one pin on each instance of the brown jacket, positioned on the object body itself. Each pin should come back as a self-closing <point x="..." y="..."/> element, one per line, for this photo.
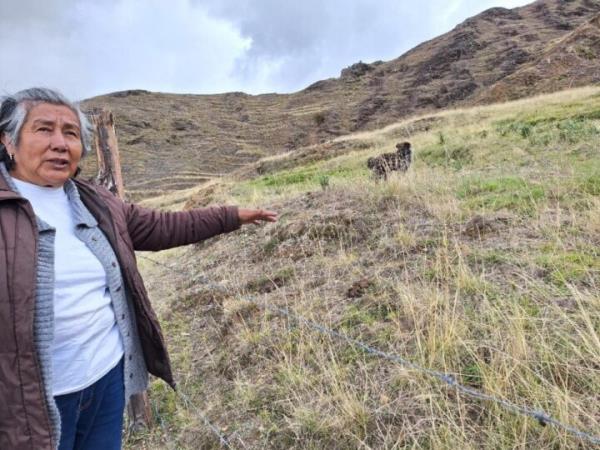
<point x="24" y="419"/>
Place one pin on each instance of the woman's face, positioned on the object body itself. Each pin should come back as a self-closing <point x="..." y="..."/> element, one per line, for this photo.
<point x="49" y="146"/>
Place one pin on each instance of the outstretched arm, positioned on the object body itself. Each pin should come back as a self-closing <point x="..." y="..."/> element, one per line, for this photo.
<point x="256" y="216"/>
<point x="158" y="230"/>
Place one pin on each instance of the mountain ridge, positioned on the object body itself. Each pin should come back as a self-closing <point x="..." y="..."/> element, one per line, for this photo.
<point x="168" y="139"/>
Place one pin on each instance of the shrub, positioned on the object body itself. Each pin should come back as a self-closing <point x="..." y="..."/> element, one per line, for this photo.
<point x="319" y="118"/>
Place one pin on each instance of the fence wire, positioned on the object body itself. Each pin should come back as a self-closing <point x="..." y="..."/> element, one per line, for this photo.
<point x="541" y="416"/>
<point x="222" y="440"/>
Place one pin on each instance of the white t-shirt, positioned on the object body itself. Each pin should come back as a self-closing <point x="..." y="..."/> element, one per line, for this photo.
<point x="87" y="342"/>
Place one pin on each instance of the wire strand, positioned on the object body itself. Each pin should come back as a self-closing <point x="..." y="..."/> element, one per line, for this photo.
<point x="222" y="440"/>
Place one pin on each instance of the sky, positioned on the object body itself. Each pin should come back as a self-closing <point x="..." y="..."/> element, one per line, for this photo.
<point x="86" y="48"/>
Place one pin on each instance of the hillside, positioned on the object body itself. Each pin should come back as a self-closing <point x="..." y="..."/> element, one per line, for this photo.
<point x="573" y="60"/>
<point x="482" y="261"/>
<point x="170" y="142"/>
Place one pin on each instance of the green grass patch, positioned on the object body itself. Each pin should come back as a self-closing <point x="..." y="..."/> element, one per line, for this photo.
<point x="471" y="375"/>
<point x="312" y="175"/>
<point x="569" y="267"/>
<point x="529" y="305"/>
<point x="454" y="156"/>
<point x="590" y="184"/>
<point x="489" y="258"/>
<point x="165" y="404"/>
<point x="321" y="176"/>
<point x="576" y="191"/>
<point x="355" y="315"/>
<point x="511" y="193"/>
<point x="546" y="130"/>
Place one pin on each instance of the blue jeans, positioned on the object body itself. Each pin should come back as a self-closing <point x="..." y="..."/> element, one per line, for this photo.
<point x="92" y="419"/>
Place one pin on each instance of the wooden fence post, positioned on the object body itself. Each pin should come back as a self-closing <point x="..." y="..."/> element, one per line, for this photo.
<point x="109" y="176"/>
<point x="107" y="151"/>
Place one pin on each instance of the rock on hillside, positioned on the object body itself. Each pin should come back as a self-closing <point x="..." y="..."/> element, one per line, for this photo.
<point x="170" y="141"/>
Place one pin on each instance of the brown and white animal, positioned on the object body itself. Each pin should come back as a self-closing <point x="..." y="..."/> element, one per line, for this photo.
<point x="385" y="163"/>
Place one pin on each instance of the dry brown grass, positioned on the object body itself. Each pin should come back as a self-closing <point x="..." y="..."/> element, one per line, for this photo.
<point x="481" y="262"/>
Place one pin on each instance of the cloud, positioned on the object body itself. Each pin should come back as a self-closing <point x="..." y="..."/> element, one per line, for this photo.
<point x="296" y="43"/>
<point x="87" y="48"/>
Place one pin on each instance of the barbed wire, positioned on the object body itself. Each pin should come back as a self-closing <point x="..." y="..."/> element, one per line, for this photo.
<point x="541" y="416"/>
<point x="222" y="440"/>
<point x="185" y="398"/>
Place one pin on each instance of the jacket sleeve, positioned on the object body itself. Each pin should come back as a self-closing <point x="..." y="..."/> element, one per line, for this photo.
<point x="158" y="230"/>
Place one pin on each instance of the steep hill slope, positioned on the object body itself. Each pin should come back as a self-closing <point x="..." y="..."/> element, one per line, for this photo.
<point x="571" y="61"/>
<point x="174" y="141"/>
<point x="482" y="262"/>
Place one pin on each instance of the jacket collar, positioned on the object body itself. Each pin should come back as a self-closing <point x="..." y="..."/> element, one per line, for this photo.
<point x="7" y="189"/>
<point x="81" y="216"/>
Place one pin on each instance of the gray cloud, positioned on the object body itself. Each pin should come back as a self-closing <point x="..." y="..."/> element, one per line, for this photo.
<point x="294" y="44"/>
<point x="304" y="41"/>
<point x="87" y="48"/>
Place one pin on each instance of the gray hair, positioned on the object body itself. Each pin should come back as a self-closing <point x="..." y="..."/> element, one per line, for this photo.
<point x="14" y="109"/>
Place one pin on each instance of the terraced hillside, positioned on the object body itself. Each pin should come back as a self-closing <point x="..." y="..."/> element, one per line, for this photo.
<point x="172" y="141"/>
<point x="481" y="262"/>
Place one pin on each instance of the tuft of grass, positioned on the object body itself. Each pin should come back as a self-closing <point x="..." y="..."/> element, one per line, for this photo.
<point x="324" y="181"/>
<point x="564" y="268"/>
<point x="590" y="184"/>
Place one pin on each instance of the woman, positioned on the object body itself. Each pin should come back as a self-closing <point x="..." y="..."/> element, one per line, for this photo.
<point x="78" y="335"/>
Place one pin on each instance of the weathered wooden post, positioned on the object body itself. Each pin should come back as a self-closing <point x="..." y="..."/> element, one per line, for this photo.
<point x="109" y="176"/>
<point x="107" y="151"/>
